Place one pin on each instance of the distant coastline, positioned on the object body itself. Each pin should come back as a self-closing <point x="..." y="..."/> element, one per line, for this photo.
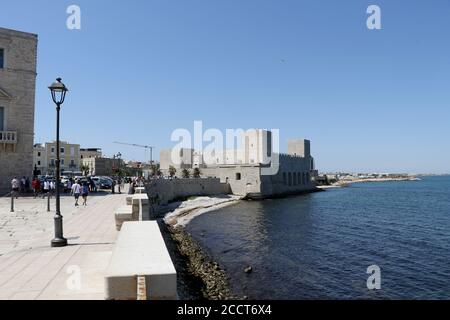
<point x="343" y="184"/>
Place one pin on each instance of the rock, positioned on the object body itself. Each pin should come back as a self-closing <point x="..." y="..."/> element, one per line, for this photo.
<point x="248" y="269"/>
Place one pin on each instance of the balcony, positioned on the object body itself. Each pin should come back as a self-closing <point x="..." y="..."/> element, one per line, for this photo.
<point x="8" y="138"/>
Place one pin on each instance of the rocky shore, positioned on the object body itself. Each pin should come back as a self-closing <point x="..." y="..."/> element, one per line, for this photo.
<point x="215" y="283"/>
<point x="199" y="276"/>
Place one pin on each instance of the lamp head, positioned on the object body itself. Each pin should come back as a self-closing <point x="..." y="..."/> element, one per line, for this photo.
<point x="58" y="90"/>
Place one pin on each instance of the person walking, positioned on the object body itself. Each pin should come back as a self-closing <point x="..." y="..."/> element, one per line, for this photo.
<point x="76" y="190"/>
<point x="15" y="187"/>
<point x="52" y="187"/>
<point x="36" y="185"/>
<point x="119" y="184"/>
<point x="22" y="185"/>
<point x="85" y="193"/>
<point x="46" y="188"/>
<point x="69" y="185"/>
<point x="27" y="184"/>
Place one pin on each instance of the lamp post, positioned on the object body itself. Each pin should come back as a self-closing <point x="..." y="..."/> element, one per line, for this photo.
<point x="58" y="90"/>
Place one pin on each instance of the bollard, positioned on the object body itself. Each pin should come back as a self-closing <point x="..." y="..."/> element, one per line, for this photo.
<point x="12" y="202"/>
<point x="48" y="202"/>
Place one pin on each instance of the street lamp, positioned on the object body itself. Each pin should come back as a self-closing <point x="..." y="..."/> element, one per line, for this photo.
<point x="58" y="90"/>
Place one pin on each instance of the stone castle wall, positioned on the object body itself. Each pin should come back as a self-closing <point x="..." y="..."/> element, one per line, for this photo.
<point x="166" y="190"/>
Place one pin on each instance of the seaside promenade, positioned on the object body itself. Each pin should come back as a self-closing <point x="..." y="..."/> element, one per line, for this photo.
<point x="31" y="270"/>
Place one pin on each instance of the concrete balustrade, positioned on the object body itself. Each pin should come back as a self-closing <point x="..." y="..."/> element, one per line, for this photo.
<point x="140" y="205"/>
<point x="124" y="214"/>
<point x="140" y="252"/>
<point x="140" y="267"/>
<point x="139" y="190"/>
<point x="129" y="200"/>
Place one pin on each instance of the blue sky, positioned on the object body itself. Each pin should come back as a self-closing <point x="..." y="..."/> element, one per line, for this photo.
<point x="370" y="100"/>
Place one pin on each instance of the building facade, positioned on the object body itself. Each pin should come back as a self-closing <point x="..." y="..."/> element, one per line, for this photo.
<point x="44" y="157"/>
<point x="18" y="59"/>
<point x="102" y="166"/>
<point x="90" y="153"/>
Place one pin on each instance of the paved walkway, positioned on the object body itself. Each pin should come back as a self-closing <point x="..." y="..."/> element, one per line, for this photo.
<point x="31" y="269"/>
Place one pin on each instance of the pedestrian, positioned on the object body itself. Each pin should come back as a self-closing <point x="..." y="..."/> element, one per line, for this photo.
<point x="52" y="187"/>
<point x="131" y="189"/>
<point x="22" y="185"/>
<point x="27" y="184"/>
<point x="15" y="186"/>
<point x="85" y="193"/>
<point x="46" y="188"/>
<point x="69" y="185"/>
<point x="113" y="186"/>
<point x="36" y="185"/>
<point x="76" y="190"/>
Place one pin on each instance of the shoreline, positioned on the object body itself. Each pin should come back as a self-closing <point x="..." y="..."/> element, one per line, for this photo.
<point x="200" y="276"/>
<point x="199" y="265"/>
<point x="187" y="210"/>
<point x="344" y="183"/>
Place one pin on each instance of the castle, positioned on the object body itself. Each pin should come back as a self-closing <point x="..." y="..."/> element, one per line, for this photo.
<point x="254" y="170"/>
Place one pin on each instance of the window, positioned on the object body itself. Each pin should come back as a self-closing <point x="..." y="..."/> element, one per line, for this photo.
<point x="62" y="161"/>
<point x="52" y="162"/>
<point x="53" y="149"/>
<point x="2" y="118"/>
<point x="2" y="58"/>
<point x="72" y="163"/>
<point x="238" y="176"/>
<point x="72" y="151"/>
<point x="62" y="150"/>
<point x="39" y="163"/>
<point x="39" y="154"/>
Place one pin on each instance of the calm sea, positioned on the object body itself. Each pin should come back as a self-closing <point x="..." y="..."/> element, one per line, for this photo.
<point x="319" y="246"/>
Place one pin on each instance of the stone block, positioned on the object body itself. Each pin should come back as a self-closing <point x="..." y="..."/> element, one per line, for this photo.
<point x="140" y="251"/>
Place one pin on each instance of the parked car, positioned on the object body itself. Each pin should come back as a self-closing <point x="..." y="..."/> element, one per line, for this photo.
<point x="105" y="183"/>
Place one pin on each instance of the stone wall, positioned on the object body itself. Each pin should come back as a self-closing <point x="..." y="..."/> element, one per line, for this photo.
<point x="293" y="176"/>
<point x="164" y="191"/>
<point x="244" y="180"/>
<point x="17" y="97"/>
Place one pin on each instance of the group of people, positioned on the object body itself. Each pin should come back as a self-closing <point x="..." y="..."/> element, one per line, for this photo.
<point x="48" y="187"/>
<point x="78" y="189"/>
<point x="75" y="187"/>
<point x="21" y="186"/>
